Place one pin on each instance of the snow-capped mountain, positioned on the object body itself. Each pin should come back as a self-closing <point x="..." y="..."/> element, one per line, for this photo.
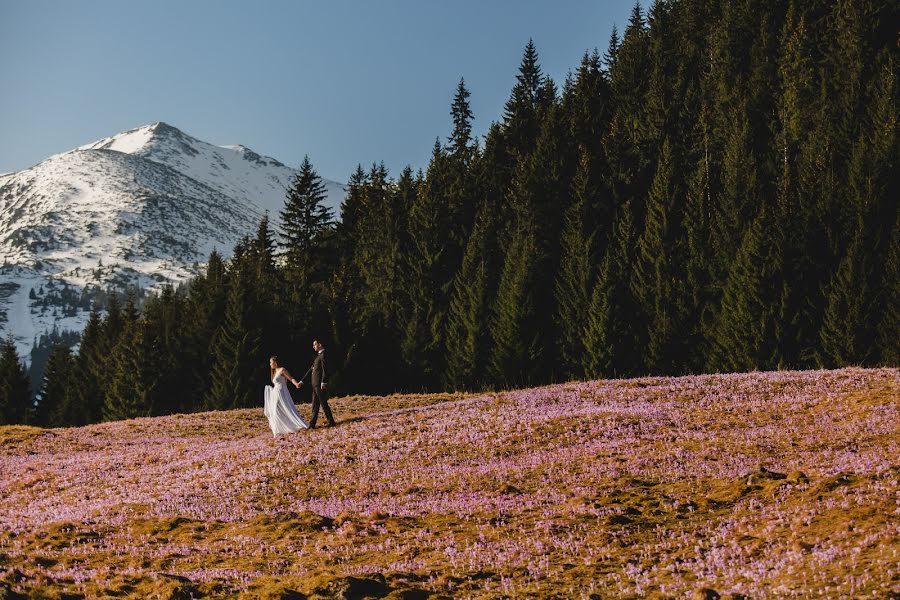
<point x="143" y="207"/>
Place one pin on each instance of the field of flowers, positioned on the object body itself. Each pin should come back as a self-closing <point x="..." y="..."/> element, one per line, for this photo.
<point x="749" y="485"/>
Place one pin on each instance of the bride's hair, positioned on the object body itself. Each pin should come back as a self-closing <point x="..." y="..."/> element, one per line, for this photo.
<point x="271" y="368"/>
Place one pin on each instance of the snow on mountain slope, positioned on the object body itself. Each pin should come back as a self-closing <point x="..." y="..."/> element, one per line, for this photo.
<point x="235" y="171"/>
<point x="143" y="207"/>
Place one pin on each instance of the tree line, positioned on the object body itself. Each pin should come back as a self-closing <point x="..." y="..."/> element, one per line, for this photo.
<point x="717" y="191"/>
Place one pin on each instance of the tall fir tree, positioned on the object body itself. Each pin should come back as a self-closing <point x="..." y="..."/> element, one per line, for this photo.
<point x="238" y="359"/>
<point x="659" y="284"/>
<point x="126" y="392"/>
<point x="610" y="342"/>
<point x="419" y="271"/>
<point x="204" y="313"/>
<point x="55" y="406"/>
<point x="745" y="337"/>
<point x="520" y="115"/>
<point x="467" y="336"/>
<point x="87" y="373"/>
<point x="15" y="388"/>
<point x="574" y="278"/>
<point x="305" y="220"/>
<point x="516" y="347"/>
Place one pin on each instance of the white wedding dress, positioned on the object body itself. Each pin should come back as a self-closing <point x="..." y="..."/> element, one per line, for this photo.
<point x="280" y="409"/>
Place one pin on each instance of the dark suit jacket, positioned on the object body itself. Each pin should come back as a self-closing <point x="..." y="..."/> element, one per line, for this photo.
<point x="318" y="369"/>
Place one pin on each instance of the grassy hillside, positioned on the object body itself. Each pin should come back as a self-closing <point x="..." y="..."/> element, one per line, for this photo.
<point x="764" y="484"/>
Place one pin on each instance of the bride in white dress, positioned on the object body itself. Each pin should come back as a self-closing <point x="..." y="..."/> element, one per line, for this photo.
<point x="278" y="405"/>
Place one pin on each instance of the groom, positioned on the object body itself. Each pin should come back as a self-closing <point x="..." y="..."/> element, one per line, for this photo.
<point x="319" y="394"/>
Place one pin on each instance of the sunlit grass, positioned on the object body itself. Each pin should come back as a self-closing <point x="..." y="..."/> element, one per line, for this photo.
<point x="764" y="484"/>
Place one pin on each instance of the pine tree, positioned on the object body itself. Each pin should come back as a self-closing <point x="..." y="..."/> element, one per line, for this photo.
<point x="520" y="116"/>
<point x="87" y="374"/>
<point x="15" y="388"/>
<point x="419" y="282"/>
<point x="609" y="337"/>
<point x="113" y="323"/>
<point x="574" y="277"/>
<point x="304" y="219"/>
<point x="126" y="392"/>
<point x="237" y="346"/>
<point x="55" y="406"/>
<point x="612" y="49"/>
<point x="460" y="142"/>
<point x="658" y="284"/>
<point x="698" y="267"/>
<point x="625" y="151"/>
<point x="467" y="337"/>
<point x="739" y="198"/>
<point x="462" y="193"/>
<point x="847" y="330"/>
<point x="745" y="331"/>
<point x="516" y="348"/>
<point x="167" y="371"/>
<point x="204" y="314"/>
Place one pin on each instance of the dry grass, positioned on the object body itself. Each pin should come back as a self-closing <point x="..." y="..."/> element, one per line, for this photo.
<point x="754" y="485"/>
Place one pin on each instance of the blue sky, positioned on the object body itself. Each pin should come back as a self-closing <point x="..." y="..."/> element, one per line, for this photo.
<point x="345" y="82"/>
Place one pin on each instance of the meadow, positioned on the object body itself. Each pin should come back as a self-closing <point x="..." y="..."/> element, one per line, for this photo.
<point x="743" y="485"/>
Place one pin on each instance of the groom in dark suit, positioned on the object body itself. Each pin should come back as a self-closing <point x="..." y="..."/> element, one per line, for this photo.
<point x="319" y="388"/>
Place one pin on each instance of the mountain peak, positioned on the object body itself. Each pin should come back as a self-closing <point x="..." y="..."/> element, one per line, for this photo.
<point x="142" y="207"/>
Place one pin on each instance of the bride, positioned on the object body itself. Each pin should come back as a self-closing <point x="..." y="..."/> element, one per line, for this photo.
<point x="278" y="405"/>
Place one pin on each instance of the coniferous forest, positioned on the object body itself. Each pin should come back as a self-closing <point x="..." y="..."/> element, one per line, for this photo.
<point x="715" y="191"/>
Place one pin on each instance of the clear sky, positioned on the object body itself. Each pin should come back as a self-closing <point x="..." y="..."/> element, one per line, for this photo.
<point x="345" y="82"/>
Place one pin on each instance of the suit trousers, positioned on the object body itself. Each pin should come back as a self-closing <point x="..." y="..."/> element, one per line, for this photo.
<point x="320" y="398"/>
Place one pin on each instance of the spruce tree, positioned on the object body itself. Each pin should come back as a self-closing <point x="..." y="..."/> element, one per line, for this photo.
<point x="516" y="347"/>
<point x="745" y="337"/>
<point x="167" y="370"/>
<point x="467" y="337"/>
<point x="204" y="314"/>
<point x="698" y="267"/>
<point x="419" y="278"/>
<point x="126" y="392"/>
<point x="609" y="339"/>
<point x="237" y="355"/>
<point x="520" y="116"/>
<point x="460" y="142"/>
<point x="847" y="330"/>
<point x="88" y="373"/>
<point x="739" y="198"/>
<point x="658" y="284"/>
<point x="15" y="388"/>
<point x="56" y="404"/>
<point x="304" y="220"/>
<point x="574" y="276"/>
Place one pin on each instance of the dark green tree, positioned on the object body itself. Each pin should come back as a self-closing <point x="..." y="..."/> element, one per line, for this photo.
<point x="235" y="379"/>
<point x="516" y="347"/>
<point x="659" y="282"/>
<point x="467" y="335"/>
<point x="126" y="393"/>
<point x="609" y="338"/>
<point x="88" y="374"/>
<point x="55" y="406"/>
<point x="575" y="277"/>
<point x="15" y="388"/>
<point x="745" y="337"/>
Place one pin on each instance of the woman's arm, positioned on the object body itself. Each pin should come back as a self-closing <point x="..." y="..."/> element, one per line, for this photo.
<point x="288" y="377"/>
